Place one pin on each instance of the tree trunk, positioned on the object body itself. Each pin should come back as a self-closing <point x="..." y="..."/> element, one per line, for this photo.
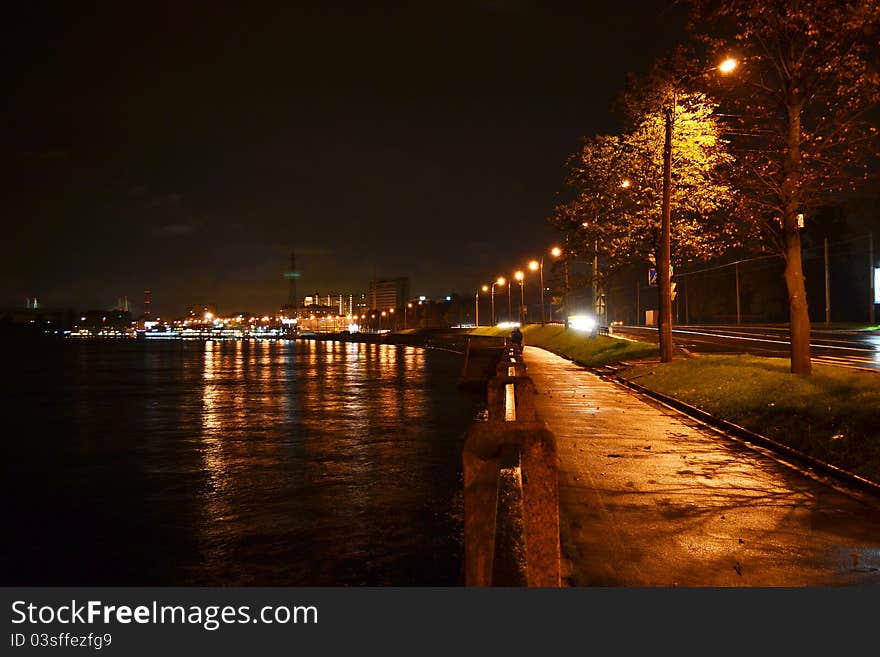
<point x="798" y="313"/>
<point x="799" y="316"/>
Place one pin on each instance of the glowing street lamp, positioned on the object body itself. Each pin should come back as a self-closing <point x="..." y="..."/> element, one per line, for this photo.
<point x="664" y="279"/>
<point x="520" y="276"/>
<point x="727" y="65"/>
<point x="501" y="281"/>
<point x="485" y="288"/>
<point x="539" y="265"/>
<point x="408" y="305"/>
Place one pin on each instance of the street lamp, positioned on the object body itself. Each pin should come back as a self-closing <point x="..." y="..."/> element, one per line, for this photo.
<point x="485" y="288"/>
<point x="534" y="265"/>
<point x="499" y="282"/>
<point x="381" y="315"/>
<point x="408" y="305"/>
<point x="539" y="265"/>
<point x="520" y="277"/>
<point x="391" y="320"/>
<point x="664" y="279"/>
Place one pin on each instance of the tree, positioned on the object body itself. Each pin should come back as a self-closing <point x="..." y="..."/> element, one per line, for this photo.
<point x="807" y="80"/>
<point x="615" y="184"/>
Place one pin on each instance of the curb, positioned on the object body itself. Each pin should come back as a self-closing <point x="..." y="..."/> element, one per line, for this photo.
<point x="810" y="463"/>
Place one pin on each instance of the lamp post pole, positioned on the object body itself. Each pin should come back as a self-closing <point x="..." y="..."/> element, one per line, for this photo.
<point x="500" y="281"/>
<point x="542" y="290"/>
<point x="485" y="288"/>
<point x="477" y="309"/>
<point x="664" y="278"/>
<point x="521" y="277"/>
<point x="522" y="303"/>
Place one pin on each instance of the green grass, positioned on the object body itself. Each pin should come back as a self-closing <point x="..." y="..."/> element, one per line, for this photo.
<point x="834" y="415"/>
<point x="592" y="351"/>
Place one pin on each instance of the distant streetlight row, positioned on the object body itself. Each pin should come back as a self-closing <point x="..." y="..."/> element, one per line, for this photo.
<point x="519" y="275"/>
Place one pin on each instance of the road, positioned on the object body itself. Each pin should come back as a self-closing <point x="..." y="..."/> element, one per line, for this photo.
<point x="847" y="348"/>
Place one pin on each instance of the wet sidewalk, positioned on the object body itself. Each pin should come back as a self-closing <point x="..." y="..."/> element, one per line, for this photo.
<point x="648" y="497"/>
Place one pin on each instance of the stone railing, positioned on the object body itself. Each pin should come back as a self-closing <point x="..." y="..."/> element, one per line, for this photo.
<point x="511" y="433"/>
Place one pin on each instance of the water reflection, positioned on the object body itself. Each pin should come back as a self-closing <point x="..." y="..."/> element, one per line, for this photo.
<point x="339" y="460"/>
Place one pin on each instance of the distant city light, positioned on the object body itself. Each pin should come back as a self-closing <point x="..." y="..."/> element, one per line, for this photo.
<point x="448" y="298"/>
<point x="507" y="325"/>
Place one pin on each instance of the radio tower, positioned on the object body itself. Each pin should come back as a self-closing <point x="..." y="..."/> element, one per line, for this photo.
<point x="146" y="304"/>
<point x="291" y="275"/>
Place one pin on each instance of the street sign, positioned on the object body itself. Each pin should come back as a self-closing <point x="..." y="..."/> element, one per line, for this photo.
<point x="652" y="275"/>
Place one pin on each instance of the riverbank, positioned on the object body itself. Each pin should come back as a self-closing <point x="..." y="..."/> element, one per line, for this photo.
<point x="833" y="415"/>
<point x="446" y="339"/>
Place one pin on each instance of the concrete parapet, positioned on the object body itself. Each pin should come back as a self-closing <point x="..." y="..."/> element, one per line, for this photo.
<point x="481" y="357"/>
<point x="524" y="391"/>
<point x="487" y="446"/>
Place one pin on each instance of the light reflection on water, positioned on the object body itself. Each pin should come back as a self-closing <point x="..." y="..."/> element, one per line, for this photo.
<point x="245" y="463"/>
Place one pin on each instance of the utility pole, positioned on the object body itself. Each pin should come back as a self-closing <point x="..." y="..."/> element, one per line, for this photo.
<point x="827" y="288"/>
<point x="687" y="313"/>
<point x="738" y="313"/>
<point x="476" y="311"/>
<point x="664" y="281"/>
<point x="596" y="305"/>
<point x="638" y="303"/>
<point x="871" y="319"/>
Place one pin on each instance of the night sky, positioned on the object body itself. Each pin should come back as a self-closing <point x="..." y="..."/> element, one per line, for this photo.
<point x="188" y="150"/>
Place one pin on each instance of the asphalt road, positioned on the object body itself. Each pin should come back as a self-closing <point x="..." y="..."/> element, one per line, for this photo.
<point x="847" y="348"/>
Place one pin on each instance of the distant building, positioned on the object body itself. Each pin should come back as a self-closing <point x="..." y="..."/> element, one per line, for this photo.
<point x="103" y="322"/>
<point x="388" y="293"/>
<point x="341" y="303"/>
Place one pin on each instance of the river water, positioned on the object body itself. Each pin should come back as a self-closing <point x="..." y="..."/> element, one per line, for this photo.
<point x="301" y="463"/>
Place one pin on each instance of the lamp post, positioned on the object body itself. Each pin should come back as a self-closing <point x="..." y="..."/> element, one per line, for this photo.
<point x="499" y="282"/>
<point x="534" y="265"/>
<point x="664" y="279"/>
<point x="538" y="265"/>
<point x="485" y="288"/>
<point x="408" y="305"/>
<point x="381" y="315"/>
<point x="520" y="276"/>
<point x="391" y="318"/>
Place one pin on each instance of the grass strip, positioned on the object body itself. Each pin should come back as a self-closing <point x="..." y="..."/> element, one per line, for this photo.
<point x="833" y="415"/>
<point x="579" y="347"/>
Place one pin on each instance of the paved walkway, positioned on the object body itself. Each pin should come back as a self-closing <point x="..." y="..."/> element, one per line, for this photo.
<point x="650" y="498"/>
